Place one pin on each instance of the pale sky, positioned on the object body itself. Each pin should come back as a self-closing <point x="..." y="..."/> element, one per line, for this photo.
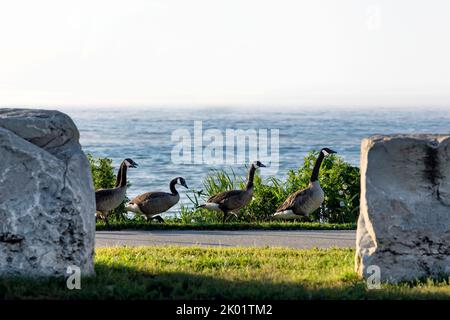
<point x="228" y="52"/>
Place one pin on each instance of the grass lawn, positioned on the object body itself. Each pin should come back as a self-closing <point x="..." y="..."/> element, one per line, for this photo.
<point x="221" y="273"/>
<point x="276" y="225"/>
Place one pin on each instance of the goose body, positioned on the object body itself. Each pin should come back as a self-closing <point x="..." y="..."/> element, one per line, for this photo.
<point x="305" y="201"/>
<point x="233" y="200"/>
<point x="107" y="200"/>
<point x="302" y="202"/>
<point x="151" y="204"/>
<point x="229" y="200"/>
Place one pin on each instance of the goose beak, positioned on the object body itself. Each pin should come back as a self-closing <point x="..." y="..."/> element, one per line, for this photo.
<point x="262" y="165"/>
<point x="185" y="185"/>
<point x="134" y="165"/>
<point x="332" y="151"/>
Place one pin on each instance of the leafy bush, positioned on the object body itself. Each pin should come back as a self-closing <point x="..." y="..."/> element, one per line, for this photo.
<point x="104" y="177"/>
<point x="339" y="180"/>
<point x="102" y="172"/>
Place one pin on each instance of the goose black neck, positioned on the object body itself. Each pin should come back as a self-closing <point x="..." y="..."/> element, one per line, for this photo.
<point x="315" y="173"/>
<point x="122" y="176"/>
<point x="251" y="176"/>
<point x="119" y="176"/>
<point x="172" y="187"/>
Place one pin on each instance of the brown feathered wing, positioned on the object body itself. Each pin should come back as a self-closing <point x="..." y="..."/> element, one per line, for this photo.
<point x="231" y="200"/>
<point x="295" y="200"/>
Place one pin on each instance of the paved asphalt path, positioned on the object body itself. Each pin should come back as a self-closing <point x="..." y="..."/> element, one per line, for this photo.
<point x="246" y="238"/>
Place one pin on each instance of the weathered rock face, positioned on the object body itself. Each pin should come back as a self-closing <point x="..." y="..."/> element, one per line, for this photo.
<point x="47" y="200"/>
<point x="404" y="222"/>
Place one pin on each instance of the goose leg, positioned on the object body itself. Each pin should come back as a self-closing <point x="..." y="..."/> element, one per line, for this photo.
<point x="225" y="214"/>
<point x="98" y="216"/>
<point x="235" y="214"/>
<point x="159" y="219"/>
<point x="106" y="221"/>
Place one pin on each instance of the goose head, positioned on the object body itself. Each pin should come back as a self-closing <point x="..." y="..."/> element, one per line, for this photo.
<point x="258" y="164"/>
<point x="181" y="181"/>
<point x="130" y="163"/>
<point x="327" y="151"/>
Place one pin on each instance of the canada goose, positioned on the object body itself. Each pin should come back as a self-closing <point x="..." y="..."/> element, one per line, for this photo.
<point x="229" y="201"/>
<point x="305" y="201"/>
<point x="109" y="199"/>
<point x="150" y="204"/>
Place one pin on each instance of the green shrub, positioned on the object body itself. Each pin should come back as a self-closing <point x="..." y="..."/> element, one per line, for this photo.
<point x="218" y="181"/>
<point x="102" y="172"/>
<point x="104" y="177"/>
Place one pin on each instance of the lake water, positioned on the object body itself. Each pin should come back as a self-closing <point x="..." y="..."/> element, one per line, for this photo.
<point x="145" y="135"/>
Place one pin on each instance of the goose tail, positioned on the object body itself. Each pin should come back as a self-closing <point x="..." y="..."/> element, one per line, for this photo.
<point x="285" y="215"/>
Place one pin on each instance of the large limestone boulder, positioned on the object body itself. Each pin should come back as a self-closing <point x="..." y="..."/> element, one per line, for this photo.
<point x="47" y="201"/>
<point x="404" y="222"/>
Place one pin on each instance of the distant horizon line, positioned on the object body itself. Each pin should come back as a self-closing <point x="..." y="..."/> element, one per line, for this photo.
<point x="218" y="106"/>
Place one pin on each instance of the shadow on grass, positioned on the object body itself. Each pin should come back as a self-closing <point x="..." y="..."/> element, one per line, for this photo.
<point x="130" y="283"/>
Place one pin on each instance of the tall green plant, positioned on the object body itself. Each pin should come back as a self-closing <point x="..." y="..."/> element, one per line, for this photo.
<point x="102" y="172"/>
<point x="192" y="214"/>
<point x="219" y="180"/>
